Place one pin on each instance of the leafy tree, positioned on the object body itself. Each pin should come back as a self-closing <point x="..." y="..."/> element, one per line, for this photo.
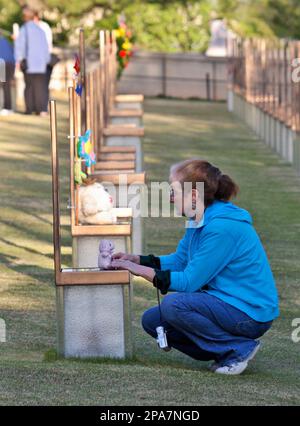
<point x="245" y="17"/>
<point x="10" y="12"/>
<point x="267" y="18"/>
<point x="283" y="17"/>
<point x="162" y="25"/>
<point x="174" y="27"/>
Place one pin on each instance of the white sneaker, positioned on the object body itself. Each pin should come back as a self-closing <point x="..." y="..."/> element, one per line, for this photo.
<point x="236" y="367"/>
<point x="4" y="112"/>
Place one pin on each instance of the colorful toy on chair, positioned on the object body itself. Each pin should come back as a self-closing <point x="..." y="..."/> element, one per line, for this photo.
<point x="78" y="173"/>
<point x="85" y="149"/>
<point x="76" y="76"/>
<point x="78" y="89"/>
<point x="77" y="65"/>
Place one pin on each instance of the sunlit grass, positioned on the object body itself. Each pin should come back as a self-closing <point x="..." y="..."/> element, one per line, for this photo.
<point x="31" y="372"/>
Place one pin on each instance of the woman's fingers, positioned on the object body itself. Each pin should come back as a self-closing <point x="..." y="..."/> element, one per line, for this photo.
<point x="118" y="255"/>
<point x="122" y="264"/>
<point x="118" y="262"/>
<point x="126" y="264"/>
<point x="123" y="256"/>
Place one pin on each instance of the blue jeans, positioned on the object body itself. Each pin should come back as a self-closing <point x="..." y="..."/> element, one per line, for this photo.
<point x="205" y="328"/>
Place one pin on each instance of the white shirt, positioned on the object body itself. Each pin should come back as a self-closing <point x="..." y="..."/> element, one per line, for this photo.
<point x="32" y="45"/>
<point x="48" y="32"/>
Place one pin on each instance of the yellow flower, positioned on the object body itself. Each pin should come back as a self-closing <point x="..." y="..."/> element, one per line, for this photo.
<point x="127" y="45"/>
<point x="120" y="32"/>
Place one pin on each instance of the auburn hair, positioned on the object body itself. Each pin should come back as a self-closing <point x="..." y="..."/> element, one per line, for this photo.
<point x="217" y="186"/>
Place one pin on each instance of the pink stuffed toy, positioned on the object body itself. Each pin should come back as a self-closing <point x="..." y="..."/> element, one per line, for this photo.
<point x="106" y="249"/>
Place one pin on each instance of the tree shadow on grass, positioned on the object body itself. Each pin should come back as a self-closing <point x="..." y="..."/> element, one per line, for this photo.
<point x="65" y="258"/>
<point x="42" y="219"/>
<point x="38" y="235"/>
<point x="45" y="275"/>
<point x="26" y="248"/>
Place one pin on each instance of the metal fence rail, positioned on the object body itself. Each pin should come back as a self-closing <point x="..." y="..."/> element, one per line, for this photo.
<point x="265" y="73"/>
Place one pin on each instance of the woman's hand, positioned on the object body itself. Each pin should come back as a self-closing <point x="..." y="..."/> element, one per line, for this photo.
<point x="126" y="264"/>
<point x="139" y="270"/>
<point x="123" y="256"/>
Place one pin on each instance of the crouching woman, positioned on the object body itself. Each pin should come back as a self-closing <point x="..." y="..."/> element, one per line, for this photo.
<point x="225" y="296"/>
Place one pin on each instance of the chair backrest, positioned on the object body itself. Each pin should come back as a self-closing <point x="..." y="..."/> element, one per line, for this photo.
<point x="72" y="276"/>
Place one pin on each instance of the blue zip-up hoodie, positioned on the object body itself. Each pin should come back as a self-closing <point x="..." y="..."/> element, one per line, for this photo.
<point x="224" y="254"/>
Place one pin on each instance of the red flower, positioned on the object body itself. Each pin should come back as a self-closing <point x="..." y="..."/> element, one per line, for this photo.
<point x="122" y="53"/>
<point x="77" y="65"/>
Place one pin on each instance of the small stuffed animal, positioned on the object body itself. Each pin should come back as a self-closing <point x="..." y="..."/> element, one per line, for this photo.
<point x="106" y="249"/>
<point x="95" y="205"/>
<point x="85" y="149"/>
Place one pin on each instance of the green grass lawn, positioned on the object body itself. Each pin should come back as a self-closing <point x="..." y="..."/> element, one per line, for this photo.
<point x="175" y="130"/>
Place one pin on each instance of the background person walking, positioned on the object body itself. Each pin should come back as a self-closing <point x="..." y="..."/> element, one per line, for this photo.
<point x="7" y="55"/>
<point x="53" y="58"/>
<point x="32" y="56"/>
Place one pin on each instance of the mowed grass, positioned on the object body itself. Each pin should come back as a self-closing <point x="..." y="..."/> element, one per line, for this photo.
<point x="175" y="130"/>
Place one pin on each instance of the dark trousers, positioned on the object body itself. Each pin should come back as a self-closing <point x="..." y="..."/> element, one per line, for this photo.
<point x="205" y="328"/>
<point x="35" y="93"/>
<point x="9" y="75"/>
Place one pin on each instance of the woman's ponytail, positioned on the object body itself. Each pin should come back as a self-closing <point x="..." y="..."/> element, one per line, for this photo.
<point x="227" y="188"/>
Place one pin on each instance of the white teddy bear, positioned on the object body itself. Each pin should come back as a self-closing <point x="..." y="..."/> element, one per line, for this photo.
<point x="95" y="205"/>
